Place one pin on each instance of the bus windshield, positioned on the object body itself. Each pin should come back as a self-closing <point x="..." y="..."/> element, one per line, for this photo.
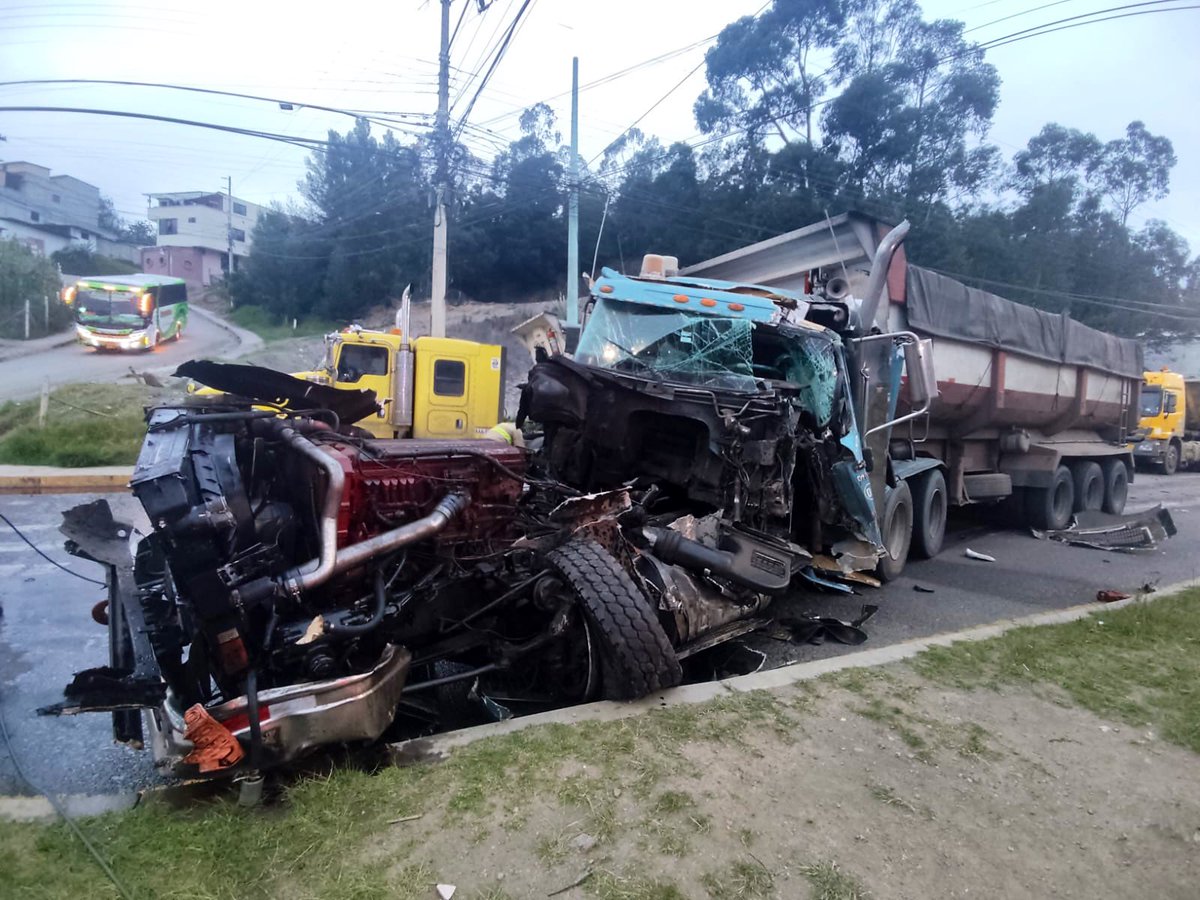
<point x="95" y="307"/>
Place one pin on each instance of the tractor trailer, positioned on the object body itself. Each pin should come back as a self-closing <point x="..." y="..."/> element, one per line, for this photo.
<point x="1031" y="406"/>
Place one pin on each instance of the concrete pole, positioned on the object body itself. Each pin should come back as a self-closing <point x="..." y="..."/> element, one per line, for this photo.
<point x="26" y="318"/>
<point x="573" y="205"/>
<point x="229" y="230"/>
<point x="442" y="129"/>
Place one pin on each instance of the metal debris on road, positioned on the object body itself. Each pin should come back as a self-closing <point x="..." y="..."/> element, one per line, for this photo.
<point x="1122" y="534"/>
<point x="975" y="554"/>
<point x="921" y="589"/>
<point x="1110" y="596"/>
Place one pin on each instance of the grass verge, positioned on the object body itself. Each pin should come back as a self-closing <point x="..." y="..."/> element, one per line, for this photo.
<point x="275" y="328"/>
<point x="86" y="425"/>
<point x="1139" y="664"/>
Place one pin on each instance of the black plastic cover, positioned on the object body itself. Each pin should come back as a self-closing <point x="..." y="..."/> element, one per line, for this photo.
<point x="269" y="386"/>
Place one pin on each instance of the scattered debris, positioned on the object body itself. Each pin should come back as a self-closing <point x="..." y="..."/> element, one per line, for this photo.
<point x="446" y="891"/>
<point x="574" y="884"/>
<point x="814" y="629"/>
<point x="975" y="554"/>
<point x="1122" y="534"/>
<point x="1110" y="596"/>
<point x="583" y="842"/>
<point x="921" y="589"/>
<point x="405" y="819"/>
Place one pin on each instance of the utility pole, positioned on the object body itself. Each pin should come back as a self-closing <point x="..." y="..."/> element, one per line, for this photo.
<point x="229" y="231"/>
<point x="442" y="130"/>
<point x="573" y="212"/>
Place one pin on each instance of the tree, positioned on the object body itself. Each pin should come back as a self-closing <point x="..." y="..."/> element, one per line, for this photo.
<point x="1134" y="169"/>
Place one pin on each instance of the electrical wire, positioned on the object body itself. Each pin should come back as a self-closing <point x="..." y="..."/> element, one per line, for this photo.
<point x="499" y="55"/>
<point x="43" y="555"/>
<point x="62" y="813"/>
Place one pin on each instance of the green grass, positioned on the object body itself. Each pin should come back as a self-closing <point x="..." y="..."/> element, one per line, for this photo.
<point x="831" y="883"/>
<point x="109" y="433"/>
<point x="1139" y="665"/>
<point x="742" y="880"/>
<point x="275" y="328"/>
<point x="326" y="836"/>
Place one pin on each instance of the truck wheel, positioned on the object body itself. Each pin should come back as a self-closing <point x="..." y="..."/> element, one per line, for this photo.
<point x="1116" y="486"/>
<point x="1170" y="460"/>
<point x="1089" y="485"/>
<point x="897" y="531"/>
<point x="1049" y="508"/>
<point x="636" y="656"/>
<point x="929" y="514"/>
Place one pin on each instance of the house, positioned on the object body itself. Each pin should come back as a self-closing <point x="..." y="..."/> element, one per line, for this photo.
<point x="53" y="212"/>
<point x="194" y="231"/>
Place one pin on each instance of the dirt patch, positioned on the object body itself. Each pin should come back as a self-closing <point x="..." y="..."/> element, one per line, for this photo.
<point x="892" y="787"/>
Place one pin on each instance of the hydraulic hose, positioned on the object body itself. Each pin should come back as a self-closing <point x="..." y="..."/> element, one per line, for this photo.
<point x="252" y="712"/>
<point x="376" y="615"/>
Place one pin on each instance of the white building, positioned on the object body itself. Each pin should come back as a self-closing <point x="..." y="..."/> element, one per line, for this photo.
<point x="194" y="228"/>
<point x="49" y="213"/>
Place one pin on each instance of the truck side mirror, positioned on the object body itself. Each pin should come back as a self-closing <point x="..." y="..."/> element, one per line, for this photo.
<point x="922" y="380"/>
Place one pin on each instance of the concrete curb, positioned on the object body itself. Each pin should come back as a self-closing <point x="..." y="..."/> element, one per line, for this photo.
<point x="29" y="350"/>
<point x="54" y="480"/>
<point x="439" y="746"/>
<point x="249" y="340"/>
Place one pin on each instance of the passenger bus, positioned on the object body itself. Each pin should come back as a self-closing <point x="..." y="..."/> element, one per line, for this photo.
<point x="128" y="312"/>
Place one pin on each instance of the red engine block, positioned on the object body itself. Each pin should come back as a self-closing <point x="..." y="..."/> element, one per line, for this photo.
<point x="389" y="483"/>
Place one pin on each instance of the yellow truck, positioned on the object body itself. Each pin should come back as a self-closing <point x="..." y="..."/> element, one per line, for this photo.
<point x="1170" y="420"/>
<point x="427" y="387"/>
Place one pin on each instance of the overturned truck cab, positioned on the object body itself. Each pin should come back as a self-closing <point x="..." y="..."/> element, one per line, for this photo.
<point x="708" y="449"/>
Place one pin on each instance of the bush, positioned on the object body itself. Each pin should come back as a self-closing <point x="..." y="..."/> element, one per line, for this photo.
<point x="275" y="328"/>
<point x="27" y="277"/>
<point x="80" y="261"/>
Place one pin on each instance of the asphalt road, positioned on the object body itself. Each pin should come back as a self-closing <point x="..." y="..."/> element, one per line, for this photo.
<point x="46" y="632"/>
<point x="203" y="338"/>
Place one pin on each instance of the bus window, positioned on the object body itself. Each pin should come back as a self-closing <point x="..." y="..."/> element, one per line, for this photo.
<point x="357" y="360"/>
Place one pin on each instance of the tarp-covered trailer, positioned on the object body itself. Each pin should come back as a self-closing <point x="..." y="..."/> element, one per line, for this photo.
<point x="1030" y="403"/>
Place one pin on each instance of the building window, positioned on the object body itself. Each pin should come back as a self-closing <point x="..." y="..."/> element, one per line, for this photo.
<point x="56" y="198"/>
<point x="239" y="209"/>
<point x="191" y="220"/>
<point x="35" y="217"/>
<point x="13" y="180"/>
<point x="238" y="234"/>
<point x="168" y="226"/>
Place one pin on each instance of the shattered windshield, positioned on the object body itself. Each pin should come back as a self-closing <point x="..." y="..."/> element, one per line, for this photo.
<point x="674" y="345"/>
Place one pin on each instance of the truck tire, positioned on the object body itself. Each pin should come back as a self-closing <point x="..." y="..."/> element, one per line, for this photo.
<point x="1089" y="485"/>
<point x="1116" y="485"/>
<point x="897" y="531"/>
<point x="1170" y="460"/>
<point x="930" y="504"/>
<point x="636" y="656"/>
<point x="1050" y="508"/>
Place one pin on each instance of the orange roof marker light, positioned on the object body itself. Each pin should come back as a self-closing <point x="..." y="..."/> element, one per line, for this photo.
<point x="736" y="307"/>
<point x="708" y="301"/>
<point x="606" y="288"/>
<point x="681" y="298"/>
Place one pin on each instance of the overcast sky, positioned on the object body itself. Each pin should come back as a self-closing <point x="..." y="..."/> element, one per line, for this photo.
<point x="382" y="56"/>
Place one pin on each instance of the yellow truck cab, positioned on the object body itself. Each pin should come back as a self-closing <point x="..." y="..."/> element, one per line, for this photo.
<point x="1170" y="410"/>
<point x="427" y="388"/>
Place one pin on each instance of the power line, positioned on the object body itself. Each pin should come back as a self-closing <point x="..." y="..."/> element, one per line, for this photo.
<point x="499" y="55"/>
<point x="306" y="143"/>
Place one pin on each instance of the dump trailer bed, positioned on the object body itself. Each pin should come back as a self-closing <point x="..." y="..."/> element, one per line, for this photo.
<point x="1028" y="401"/>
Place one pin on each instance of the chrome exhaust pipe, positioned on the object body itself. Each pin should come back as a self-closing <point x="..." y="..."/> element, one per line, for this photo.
<point x="878" y="280"/>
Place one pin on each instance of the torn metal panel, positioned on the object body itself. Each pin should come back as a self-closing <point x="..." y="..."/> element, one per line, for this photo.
<point x="278" y="389"/>
<point x="1125" y="534"/>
